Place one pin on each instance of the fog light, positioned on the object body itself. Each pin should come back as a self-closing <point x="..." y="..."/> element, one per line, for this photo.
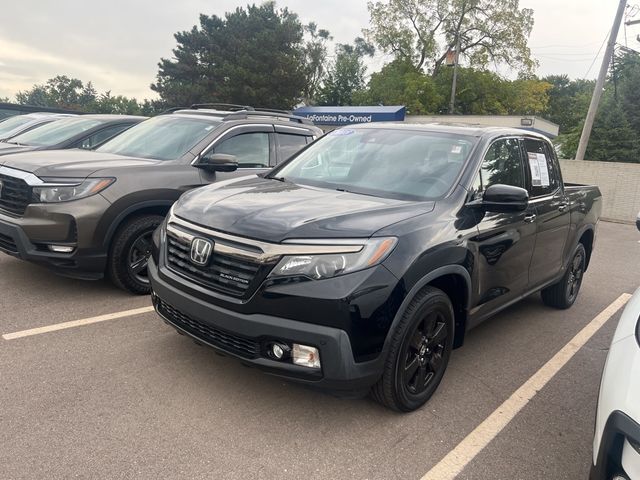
<point x="277" y="351"/>
<point x="306" y="356"/>
<point x="61" y="248"/>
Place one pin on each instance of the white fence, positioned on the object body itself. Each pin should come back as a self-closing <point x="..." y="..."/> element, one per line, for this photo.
<point x="618" y="182"/>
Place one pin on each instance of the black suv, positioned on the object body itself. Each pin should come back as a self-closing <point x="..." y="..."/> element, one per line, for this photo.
<point x="87" y="213"/>
<point x="364" y="259"/>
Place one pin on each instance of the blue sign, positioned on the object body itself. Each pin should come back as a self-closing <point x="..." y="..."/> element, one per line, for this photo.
<point x="351" y="115"/>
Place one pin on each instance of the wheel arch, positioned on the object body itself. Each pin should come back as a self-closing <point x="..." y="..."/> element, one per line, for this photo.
<point x="150" y="207"/>
<point x="455" y="282"/>
<point x="587" y="237"/>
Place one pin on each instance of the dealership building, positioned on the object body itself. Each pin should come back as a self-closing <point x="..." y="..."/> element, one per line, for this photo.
<point x="330" y="118"/>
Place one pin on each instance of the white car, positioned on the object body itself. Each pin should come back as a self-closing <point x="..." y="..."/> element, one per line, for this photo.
<point x="616" y="445"/>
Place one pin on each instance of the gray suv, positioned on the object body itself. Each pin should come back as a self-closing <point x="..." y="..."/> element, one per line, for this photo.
<point x="87" y="214"/>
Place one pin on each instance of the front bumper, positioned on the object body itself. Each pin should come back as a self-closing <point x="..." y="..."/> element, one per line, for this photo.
<point x="615" y="452"/>
<point x="244" y="337"/>
<point x="70" y="224"/>
<point x="618" y="414"/>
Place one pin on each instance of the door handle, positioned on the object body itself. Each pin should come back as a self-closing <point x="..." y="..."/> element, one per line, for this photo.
<point x="563" y="207"/>
<point x="530" y="218"/>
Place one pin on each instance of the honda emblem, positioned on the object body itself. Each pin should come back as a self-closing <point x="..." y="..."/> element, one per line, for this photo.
<point x="201" y="250"/>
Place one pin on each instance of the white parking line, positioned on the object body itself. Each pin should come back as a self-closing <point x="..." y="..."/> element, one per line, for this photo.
<point x="458" y="458"/>
<point x="76" y="323"/>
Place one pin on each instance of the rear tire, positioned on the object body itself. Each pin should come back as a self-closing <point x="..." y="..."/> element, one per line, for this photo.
<point x="564" y="293"/>
<point x="419" y="352"/>
<point x="130" y="251"/>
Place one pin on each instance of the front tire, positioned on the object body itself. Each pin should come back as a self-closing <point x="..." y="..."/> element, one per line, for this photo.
<point x="419" y="353"/>
<point x="130" y="253"/>
<point x="564" y="293"/>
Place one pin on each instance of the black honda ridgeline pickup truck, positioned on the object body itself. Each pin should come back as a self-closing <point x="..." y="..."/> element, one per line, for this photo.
<point x="360" y="263"/>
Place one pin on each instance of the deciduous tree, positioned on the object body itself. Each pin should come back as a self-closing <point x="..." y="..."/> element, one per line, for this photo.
<point x="423" y="31"/>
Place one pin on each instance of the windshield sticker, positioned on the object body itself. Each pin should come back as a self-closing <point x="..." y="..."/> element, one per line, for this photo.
<point x="456" y="149"/>
<point x="539" y="169"/>
<point x="342" y="131"/>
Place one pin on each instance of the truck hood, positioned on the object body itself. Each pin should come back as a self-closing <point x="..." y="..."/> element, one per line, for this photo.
<point x="69" y="163"/>
<point x="274" y="211"/>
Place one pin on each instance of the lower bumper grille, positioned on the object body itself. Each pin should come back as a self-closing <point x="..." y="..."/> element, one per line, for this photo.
<point x="7" y="244"/>
<point x="239" y="345"/>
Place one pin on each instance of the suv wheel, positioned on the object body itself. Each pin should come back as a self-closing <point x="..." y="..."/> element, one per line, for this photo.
<point x="564" y="293"/>
<point x="130" y="253"/>
<point x="420" y="349"/>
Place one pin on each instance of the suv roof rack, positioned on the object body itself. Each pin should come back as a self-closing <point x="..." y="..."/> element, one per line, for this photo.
<point x="228" y="106"/>
<point x="243" y="112"/>
<point x="242" y="115"/>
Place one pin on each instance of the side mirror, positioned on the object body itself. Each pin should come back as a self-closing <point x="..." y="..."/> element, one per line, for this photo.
<point x="505" y="198"/>
<point x="638" y="221"/>
<point x="217" y="162"/>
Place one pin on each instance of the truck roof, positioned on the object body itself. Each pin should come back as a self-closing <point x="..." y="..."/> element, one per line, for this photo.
<point x="452" y="128"/>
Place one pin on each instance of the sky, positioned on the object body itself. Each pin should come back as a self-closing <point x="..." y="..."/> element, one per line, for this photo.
<point x="117" y="44"/>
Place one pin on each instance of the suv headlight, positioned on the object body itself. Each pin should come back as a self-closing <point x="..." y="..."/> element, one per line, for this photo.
<point x="69" y="189"/>
<point x="318" y="267"/>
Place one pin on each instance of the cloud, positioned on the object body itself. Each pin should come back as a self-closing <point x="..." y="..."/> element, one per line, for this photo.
<point x="23" y="64"/>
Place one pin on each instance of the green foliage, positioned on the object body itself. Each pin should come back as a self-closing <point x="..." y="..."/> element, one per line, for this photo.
<point x="252" y="56"/>
<point x="612" y="139"/>
<point x="4" y="99"/>
<point x="72" y="94"/>
<point x="346" y="74"/>
<point x="315" y="52"/>
<point x="422" y="31"/>
<point x="568" y="101"/>
<point x="479" y="92"/>
<point x="627" y="72"/>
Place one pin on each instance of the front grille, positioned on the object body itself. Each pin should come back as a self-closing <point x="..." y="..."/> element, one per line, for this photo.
<point x="15" y="194"/>
<point x="224" y="273"/>
<point x="7" y="244"/>
<point x="242" y="346"/>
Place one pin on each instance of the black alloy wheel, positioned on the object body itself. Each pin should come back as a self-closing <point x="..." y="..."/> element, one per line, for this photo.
<point x="574" y="280"/>
<point x="139" y="254"/>
<point x="564" y="293"/>
<point x="424" y="353"/>
<point x="419" y="349"/>
<point x="130" y="252"/>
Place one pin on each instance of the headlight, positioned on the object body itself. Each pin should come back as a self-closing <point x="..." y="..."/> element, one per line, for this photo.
<point x="318" y="267"/>
<point x="67" y="190"/>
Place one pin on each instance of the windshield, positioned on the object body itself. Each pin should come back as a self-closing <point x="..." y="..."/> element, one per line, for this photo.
<point x="55" y="132"/>
<point x="166" y="137"/>
<point x="12" y="123"/>
<point x="405" y="164"/>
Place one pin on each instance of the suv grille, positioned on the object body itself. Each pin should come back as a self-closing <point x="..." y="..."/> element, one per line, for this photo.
<point x="15" y="195"/>
<point x="242" y="346"/>
<point x="224" y="273"/>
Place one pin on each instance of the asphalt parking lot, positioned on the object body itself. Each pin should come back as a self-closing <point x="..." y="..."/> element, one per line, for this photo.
<point x="130" y="398"/>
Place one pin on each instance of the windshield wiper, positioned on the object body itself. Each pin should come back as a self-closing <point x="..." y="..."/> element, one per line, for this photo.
<point x="280" y="179"/>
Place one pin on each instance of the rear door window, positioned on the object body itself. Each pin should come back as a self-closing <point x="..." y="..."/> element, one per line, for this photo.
<point x="543" y="171"/>
<point x="289" y="144"/>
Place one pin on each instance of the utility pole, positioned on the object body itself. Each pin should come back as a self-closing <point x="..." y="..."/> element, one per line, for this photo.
<point x="452" y="103"/>
<point x="597" y="92"/>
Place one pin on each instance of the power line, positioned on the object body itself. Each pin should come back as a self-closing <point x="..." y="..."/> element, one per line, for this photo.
<point x="597" y="54"/>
